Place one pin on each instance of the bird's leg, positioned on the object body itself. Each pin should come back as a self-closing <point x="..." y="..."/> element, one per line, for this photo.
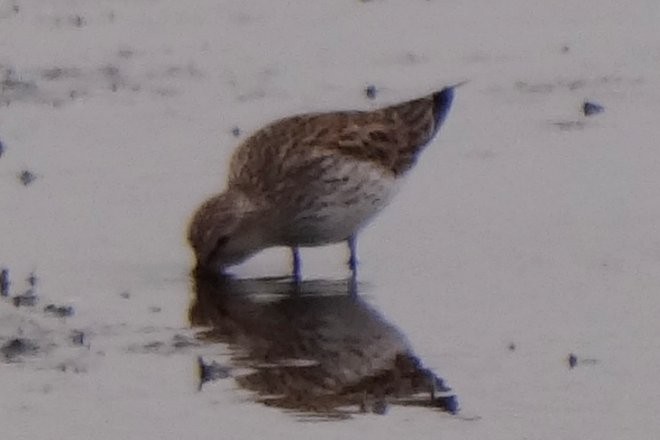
<point x="352" y="285"/>
<point x="295" y="262"/>
<point x="352" y="265"/>
<point x="352" y="259"/>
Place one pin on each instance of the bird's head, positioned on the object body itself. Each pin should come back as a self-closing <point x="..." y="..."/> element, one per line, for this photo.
<point x="222" y="232"/>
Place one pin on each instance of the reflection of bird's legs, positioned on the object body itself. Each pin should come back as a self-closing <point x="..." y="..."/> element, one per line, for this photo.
<point x="364" y="406"/>
<point x="352" y="259"/>
<point x="352" y="265"/>
<point x="295" y="262"/>
<point x="352" y="262"/>
<point x="352" y="285"/>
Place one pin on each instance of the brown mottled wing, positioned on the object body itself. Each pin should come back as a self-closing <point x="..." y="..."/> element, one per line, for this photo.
<point x="392" y="137"/>
<point x="270" y="156"/>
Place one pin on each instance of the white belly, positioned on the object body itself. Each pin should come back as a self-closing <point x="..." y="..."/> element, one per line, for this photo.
<point x="333" y="212"/>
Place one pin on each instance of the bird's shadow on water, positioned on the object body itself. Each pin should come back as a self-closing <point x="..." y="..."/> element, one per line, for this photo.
<point x="314" y="348"/>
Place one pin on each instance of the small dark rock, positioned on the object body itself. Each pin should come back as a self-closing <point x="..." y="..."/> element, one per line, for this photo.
<point x="52" y="74"/>
<point x="125" y="295"/>
<point x="569" y="125"/>
<point x="27" y="299"/>
<point x="370" y="91"/>
<point x="78" y="337"/>
<point x="236" y="132"/>
<point x="26" y="177"/>
<point x="572" y="360"/>
<point x="512" y="346"/>
<point x="592" y="108"/>
<point x="66" y="367"/>
<point x="59" y="311"/>
<point x="155" y="309"/>
<point x="4" y="282"/>
<point x="210" y="372"/>
<point x="18" y="347"/>
<point x="181" y="341"/>
<point x="125" y="53"/>
<point x="32" y="279"/>
<point x="77" y="21"/>
<point x="153" y="346"/>
<point x="2" y="148"/>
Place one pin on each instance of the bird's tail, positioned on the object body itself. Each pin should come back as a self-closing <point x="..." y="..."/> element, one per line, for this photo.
<point x="419" y="121"/>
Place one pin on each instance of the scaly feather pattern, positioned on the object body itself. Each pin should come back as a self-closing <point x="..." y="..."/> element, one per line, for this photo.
<point x="314" y="179"/>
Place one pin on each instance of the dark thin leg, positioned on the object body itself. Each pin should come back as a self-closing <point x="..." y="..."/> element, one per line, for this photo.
<point x="352" y="285"/>
<point x="295" y="262"/>
<point x="352" y="259"/>
<point x="352" y="265"/>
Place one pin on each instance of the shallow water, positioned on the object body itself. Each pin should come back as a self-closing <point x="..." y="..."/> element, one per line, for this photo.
<point x="527" y="232"/>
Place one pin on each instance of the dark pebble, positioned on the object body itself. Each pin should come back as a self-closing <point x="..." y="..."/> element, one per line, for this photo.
<point x="59" y="311"/>
<point x="78" y="337"/>
<point x="125" y="295"/>
<point x="592" y="108"/>
<point x="2" y="148"/>
<point x="77" y="21"/>
<point x="18" y="347"/>
<point x="210" y="372"/>
<point x="28" y="299"/>
<point x="236" y="132"/>
<point x="153" y="346"/>
<point x="569" y="125"/>
<point x="370" y="91"/>
<point x="32" y="279"/>
<point x="512" y="346"/>
<point x="181" y="341"/>
<point x="26" y="177"/>
<point x="4" y="282"/>
<point x="572" y="361"/>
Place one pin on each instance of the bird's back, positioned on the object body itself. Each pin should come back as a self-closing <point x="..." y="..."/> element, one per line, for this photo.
<point x="292" y="151"/>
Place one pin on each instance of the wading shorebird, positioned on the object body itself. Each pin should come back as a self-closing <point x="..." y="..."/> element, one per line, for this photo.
<point x="312" y="180"/>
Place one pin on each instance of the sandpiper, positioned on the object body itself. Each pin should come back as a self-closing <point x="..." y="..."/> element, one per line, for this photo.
<point x="313" y="179"/>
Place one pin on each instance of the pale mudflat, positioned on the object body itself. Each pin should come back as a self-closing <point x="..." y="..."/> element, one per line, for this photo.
<point x="526" y="233"/>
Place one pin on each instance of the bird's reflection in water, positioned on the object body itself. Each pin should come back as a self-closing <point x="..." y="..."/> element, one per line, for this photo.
<point x="312" y="348"/>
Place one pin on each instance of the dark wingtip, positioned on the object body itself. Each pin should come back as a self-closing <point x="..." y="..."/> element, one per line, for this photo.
<point x="441" y="104"/>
